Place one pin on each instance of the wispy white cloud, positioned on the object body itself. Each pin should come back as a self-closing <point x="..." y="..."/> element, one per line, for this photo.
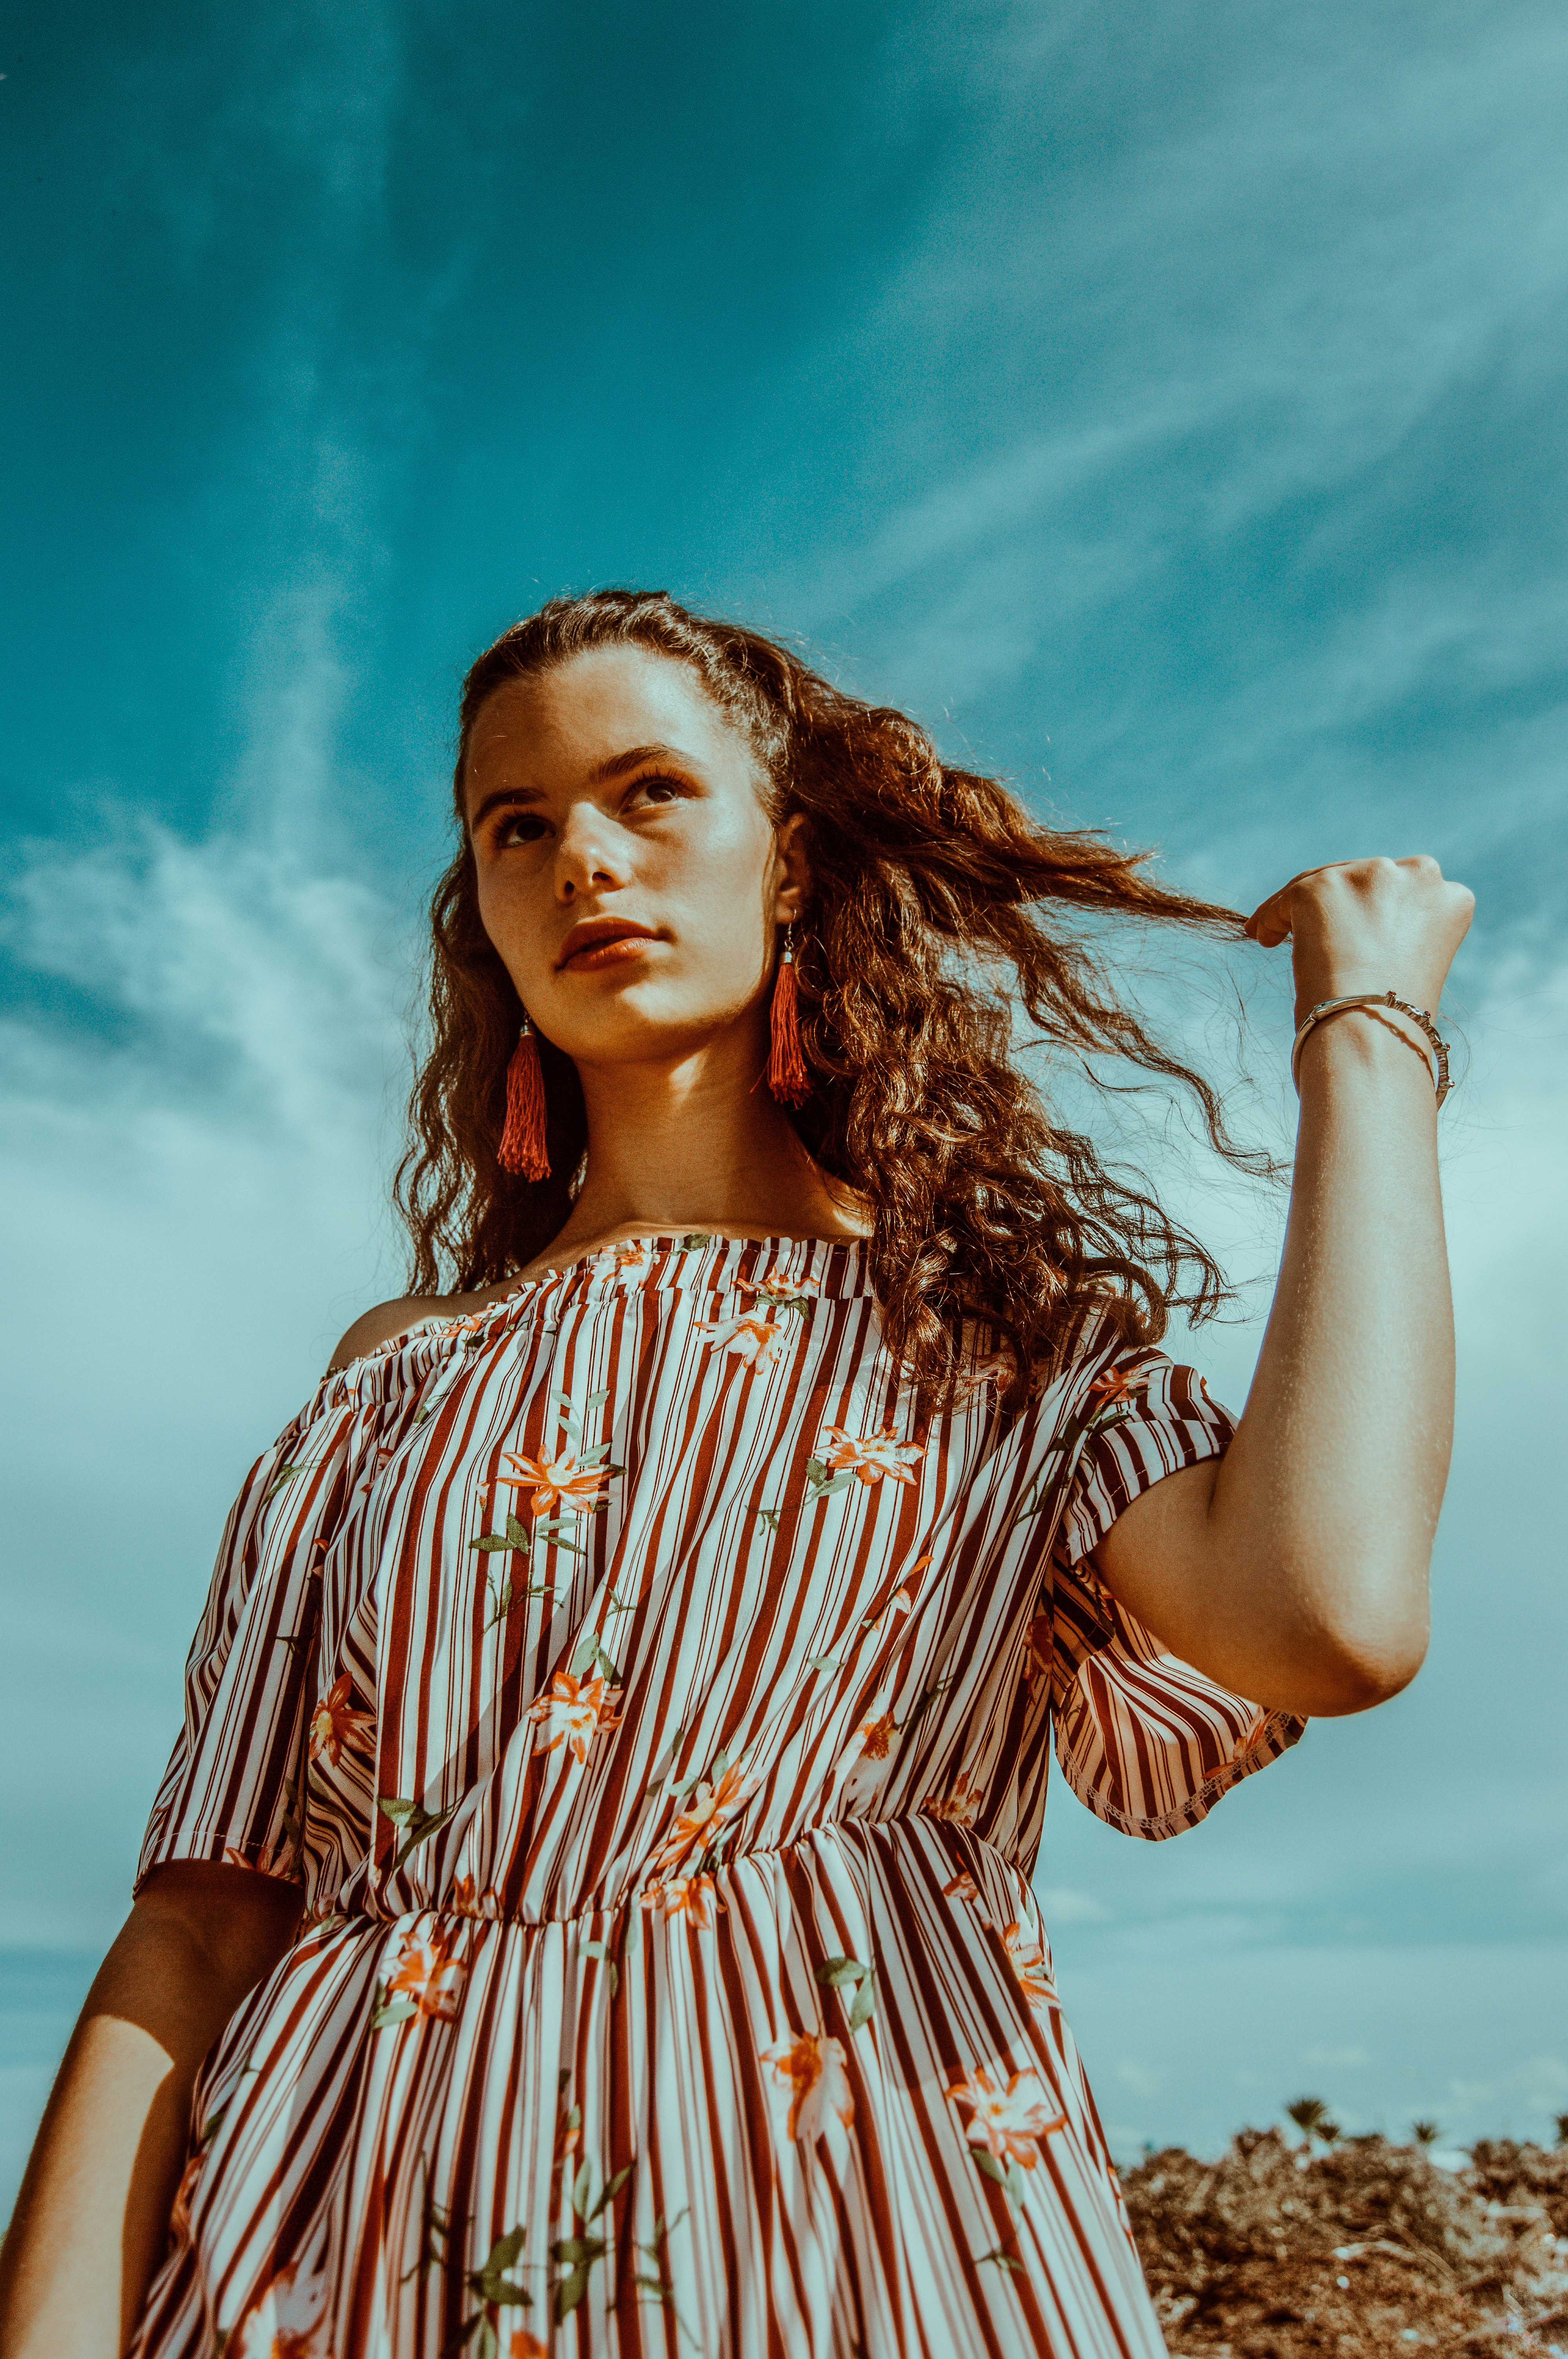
<point x="199" y="1187"/>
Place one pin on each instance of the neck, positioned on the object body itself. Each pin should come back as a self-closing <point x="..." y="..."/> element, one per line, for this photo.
<point x="689" y="1144"/>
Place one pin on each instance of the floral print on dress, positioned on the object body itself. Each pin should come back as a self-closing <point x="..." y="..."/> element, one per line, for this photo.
<point x="337" y="1723"/>
<point x="271" y="1859"/>
<point x="810" y="2065"/>
<point x="1111" y="1389"/>
<point x="870" y="1751"/>
<point x="663" y="1911"/>
<point x="565" y="1477"/>
<point x="289" y="2321"/>
<point x="1027" y="1957"/>
<point x="758" y="1342"/>
<point x="427" y="1980"/>
<point x="695" y="1898"/>
<point x="1011" y="2122"/>
<point x="961" y="1806"/>
<point x="871" y="1456"/>
<point x="573" y="1713"/>
<point x="712" y="1806"/>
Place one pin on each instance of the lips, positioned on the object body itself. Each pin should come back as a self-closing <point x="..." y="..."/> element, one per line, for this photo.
<point x="604" y="941"/>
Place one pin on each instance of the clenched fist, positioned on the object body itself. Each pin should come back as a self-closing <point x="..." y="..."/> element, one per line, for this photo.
<point x="1367" y="925"/>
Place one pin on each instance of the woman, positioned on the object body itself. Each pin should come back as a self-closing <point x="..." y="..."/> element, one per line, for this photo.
<point x="636" y="1669"/>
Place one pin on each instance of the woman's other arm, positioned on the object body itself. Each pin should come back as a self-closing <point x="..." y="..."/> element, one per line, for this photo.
<point x="1295" y="1570"/>
<point x="93" y="2216"/>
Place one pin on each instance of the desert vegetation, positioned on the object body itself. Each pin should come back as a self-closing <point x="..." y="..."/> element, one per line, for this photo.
<point x="1356" y="2246"/>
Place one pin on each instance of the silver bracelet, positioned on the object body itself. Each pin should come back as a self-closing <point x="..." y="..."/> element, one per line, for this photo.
<point x="1438" y="1046"/>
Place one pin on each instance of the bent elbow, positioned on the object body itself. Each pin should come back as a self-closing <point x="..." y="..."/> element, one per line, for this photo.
<point x="1359" y="1670"/>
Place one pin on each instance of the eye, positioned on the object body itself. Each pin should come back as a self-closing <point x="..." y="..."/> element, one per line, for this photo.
<point x="657" y="789"/>
<point x="517" y="827"/>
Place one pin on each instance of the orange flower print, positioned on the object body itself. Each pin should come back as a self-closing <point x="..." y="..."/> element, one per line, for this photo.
<point x="271" y="1860"/>
<point x="708" y="1810"/>
<point x="961" y="1887"/>
<point x="757" y="1341"/>
<point x="783" y="1291"/>
<point x="691" y="1897"/>
<point x="561" y="1477"/>
<point x="877" y="1736"/>
<point x="289" y="2321"/>
<point x="574" y="1712"/>
<point x="335" y="1724"/>
<point x="1026" y="1956"/>
<point x="1255" y="1735"/>
<point x="428" y="1976"/>
<point x="995" y="1368"/>
<point x="872" y="1455"/>
<point x="632" y="1255"/>
<point x="1010" y="2120"/>
<point x="466" y="1899"/>
<point x="962" y="1806"/>
<point x="871" y="1749"/>
<point x="811" y="2067"/>
<point x="1111" y="1389"/>
<point x="525" y="2346"/>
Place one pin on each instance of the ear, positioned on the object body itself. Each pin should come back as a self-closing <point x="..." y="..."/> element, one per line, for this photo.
<point x="794" y="869"/>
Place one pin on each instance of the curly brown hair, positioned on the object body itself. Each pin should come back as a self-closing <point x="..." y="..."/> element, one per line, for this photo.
<point x="936" y="910"/>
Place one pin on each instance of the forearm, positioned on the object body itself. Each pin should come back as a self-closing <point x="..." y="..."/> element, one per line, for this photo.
<point x="1293" y="1570"/>
<point x="91" y="2219"/>
<point x="1322" y="1514"/>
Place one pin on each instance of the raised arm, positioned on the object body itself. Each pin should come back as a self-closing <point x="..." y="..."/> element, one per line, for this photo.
<point x="93" y="2216"/>
<point x="1293" y="1571"/>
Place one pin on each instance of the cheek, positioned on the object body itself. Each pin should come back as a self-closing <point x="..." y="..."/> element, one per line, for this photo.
<point x="508" y="912"/>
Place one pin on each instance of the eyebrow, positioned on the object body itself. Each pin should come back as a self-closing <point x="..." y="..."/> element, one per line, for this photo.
<point x="611" y="767"/>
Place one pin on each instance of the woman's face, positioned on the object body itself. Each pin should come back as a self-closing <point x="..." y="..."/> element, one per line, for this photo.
<point x="628" y="874"/>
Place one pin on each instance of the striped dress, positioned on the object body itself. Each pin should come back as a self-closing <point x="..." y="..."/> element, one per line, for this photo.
<point x="657" y="1719"/>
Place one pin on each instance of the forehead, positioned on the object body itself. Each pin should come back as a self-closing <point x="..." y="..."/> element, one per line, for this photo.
<point x="555" y="727"/>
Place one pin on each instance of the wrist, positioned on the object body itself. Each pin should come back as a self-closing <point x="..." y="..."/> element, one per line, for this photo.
<point x="1385" y="1024"/>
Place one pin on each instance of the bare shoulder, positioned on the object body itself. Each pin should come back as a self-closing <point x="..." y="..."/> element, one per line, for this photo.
<point x="390" y="1319"/>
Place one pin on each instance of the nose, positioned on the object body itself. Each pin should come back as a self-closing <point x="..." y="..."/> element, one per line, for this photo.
<point x="588" y="859"/>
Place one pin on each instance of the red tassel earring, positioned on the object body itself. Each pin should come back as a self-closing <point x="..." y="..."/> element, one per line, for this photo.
<point x="523" y="1149"/>
<point x="787" y="1076"/>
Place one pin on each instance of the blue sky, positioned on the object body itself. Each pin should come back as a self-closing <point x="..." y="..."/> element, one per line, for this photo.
<point x="1166" y="403"/>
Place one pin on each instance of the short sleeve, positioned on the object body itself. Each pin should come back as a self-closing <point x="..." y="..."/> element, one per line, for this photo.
<point x="231" y="1791"/>
<point x="1146" y="1742"/>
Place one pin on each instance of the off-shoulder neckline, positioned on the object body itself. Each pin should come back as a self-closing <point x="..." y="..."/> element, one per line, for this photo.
<point x="622" y="1272"/>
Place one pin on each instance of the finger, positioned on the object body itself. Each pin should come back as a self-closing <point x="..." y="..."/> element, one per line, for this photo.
<point x="1271" y="920"/>
<point x="1270" y="923"/>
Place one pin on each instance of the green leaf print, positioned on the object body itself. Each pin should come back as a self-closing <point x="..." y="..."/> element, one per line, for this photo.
<point x="590" y="1653"/>
<point x="284" y="1475"/>
<point x="822" y="1483"/>
<point x="419" y="1822"/>
<point x="803" y="1305"/>
<point x="659" y="2288"/>
<point x="515" y="1536"/>
<point x="491" y="2281"/>
<point x="386" y="2014"/>
<point x="849" y="1973"/>
<point x="836" y="1972"/>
